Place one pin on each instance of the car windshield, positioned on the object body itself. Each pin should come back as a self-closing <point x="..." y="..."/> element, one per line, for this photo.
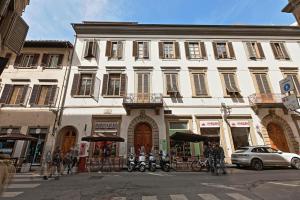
<point x="241" y="150"/>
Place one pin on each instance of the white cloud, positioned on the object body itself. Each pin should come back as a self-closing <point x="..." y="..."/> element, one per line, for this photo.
<point x="52" y="19"/>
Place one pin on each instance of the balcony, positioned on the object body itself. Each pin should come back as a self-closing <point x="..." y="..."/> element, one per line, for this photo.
<point x="147" y="101"/>
<point x="266" y="101"/>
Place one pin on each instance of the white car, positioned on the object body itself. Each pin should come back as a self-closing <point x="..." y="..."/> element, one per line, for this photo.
<point x="259" y="157"/>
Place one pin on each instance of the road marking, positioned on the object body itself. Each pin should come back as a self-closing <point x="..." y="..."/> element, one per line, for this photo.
<point x="118" y="198"/>
<point x="26" y="175"/>
<point x="220" y="186"/>
<point x="178" y="197"/>
<point x="208" y="197"/>
<point x="285" y="184"/>
<point x="158" y="174"/>
<point x="237" y="196"/>
<point x="25" y="179"/>
<point x="10" y="194"/>
<point x="21" y="186"/>
<point x="149" y="198"/>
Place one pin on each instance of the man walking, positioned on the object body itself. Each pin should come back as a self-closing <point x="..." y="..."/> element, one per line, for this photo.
<point x="220" y="158"/>
<point x="56" y="163"/>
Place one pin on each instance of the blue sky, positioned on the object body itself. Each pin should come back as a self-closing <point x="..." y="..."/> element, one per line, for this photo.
<point x="50" y="19"/>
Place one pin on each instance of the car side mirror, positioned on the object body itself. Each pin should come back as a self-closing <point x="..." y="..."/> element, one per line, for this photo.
<point x="280" y="152"/>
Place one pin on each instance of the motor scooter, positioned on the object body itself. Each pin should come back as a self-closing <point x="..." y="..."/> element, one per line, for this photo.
<point x="131" y="163"/>
<point x="152" y="162"/>
<point x="142" y="162"/>
<point x="165" y="161"/>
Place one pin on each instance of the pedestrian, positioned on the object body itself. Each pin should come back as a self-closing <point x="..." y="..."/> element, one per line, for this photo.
<point x="220" y="157"/>
<point x="208" y="155"/>
<point x="47" y="165"/>
<point x="67" y="162"/>
<point x="74" y="156"/>
<point x="56" y="163"/>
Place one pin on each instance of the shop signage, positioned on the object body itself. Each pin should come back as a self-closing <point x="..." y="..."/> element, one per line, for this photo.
<point x="209" y="124"/>
<point x="106" y="126"/>
<point x="239" y="124"/>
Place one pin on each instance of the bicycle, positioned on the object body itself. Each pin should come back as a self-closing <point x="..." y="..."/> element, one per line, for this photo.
<point x="199" y="165"/>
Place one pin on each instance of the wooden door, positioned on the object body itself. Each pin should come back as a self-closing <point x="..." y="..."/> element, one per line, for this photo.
<point x="68" y="141"/>
<point x="143" y="137"/>
<point x="277" y="137"/>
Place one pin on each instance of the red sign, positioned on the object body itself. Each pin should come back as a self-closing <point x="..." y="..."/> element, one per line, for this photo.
<point x="209" y="124"/>
<point x="239" y="124"/>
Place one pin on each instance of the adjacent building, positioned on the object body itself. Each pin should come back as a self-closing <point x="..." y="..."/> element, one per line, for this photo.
<point x="293" y="7"/>
<point x="144" y="82"/>
<point x="32" y="89"/>
<point x="13" y="29"/>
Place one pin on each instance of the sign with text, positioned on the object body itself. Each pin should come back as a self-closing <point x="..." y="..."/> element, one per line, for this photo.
<point x="291" y="102"/>
<point x="106" y="126"/>
<point x="239" y="124"/>
<point x="209" y="124"/>
<point x="286" y="85"/>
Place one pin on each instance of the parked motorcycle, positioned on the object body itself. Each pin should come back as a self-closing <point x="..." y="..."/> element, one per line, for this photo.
<point x="152" y="162"/>
<point x="131" y="163"/>
<point x="165" y="162"/>
<point x="142" y="162"/>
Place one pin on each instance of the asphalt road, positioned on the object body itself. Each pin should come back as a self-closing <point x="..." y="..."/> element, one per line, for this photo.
<point x="237" y="185"/>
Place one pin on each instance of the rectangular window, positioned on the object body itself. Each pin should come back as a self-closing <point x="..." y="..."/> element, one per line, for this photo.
<point x="178" y="125"/>
<point x="53" y="61"/>
<point x="91" y="48"/>
<point x="230" y="83"/>
<point x="143" y="87"/>
<point x="7" y="147"/>
<point x="222" y="50"/>
<point x="169" y="50"/>
<point x="279" y="51"/>
<point x="45" y="93"/>
<point x="262" y="83"/>
<point x="114" y="84"/>
<point x="255" y="50"/>
<point x="86" y="83"/>
<point x="114" y="50"/>
<point x="194" y="50"/>
<point x="17" y="95"/>
<point x="199" y="80"/>
<point x="142" y="50"/>
<point x="27" y="61"/>
<point x="171" y="84"/>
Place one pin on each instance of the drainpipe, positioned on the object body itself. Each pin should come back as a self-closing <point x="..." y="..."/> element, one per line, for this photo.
<point x="62" y="99"/>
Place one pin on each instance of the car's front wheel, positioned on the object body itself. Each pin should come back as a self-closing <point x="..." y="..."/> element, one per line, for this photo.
<point x="257" y="164"/>
<point x="295" y="163"/>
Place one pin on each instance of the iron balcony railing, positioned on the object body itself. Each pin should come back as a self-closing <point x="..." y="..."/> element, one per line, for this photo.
<point x="134" y="98"/>
<point x="271" y="98"/>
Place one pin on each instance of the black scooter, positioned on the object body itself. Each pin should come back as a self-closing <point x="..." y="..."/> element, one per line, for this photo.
<point x="165" y="162"/>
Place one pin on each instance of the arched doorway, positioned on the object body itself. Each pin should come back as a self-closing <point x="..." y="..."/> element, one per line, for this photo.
<point x="143" y="137"/>
<point x="277" y="137"/>
<point x="68" y="139"/>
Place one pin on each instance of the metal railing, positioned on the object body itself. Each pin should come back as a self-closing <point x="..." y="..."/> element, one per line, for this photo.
<point x="152" y="98"/>
<point x="270" y="98"/>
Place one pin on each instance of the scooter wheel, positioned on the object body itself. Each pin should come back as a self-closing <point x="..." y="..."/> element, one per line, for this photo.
<point x="166" y="168"/>
<point x="152" y="169"/>
<point x="130" y="168"/>
<point x="142" y="168"/>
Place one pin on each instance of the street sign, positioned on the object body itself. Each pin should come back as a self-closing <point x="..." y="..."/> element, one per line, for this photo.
<point x="291" y="102"/>
<point x="286" y="85"/>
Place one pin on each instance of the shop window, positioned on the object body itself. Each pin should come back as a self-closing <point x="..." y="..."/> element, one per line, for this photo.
<point x="213" y="134"/>
<point x="240" y="136"/>
<point x="35" y="148"/>
<point x="179" y="149"/>
<point x="7" y="147"/>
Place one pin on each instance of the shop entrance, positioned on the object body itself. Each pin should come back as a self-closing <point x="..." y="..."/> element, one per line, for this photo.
<point x="68" y="139"/>
<point x="213" y="134"/>
<point x="240" y="137"/>
<point x="277" y="137"/>
<point x="143" y="137"/>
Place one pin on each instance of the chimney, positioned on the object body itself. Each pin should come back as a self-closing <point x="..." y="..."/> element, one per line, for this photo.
<point x="293" y="7"/>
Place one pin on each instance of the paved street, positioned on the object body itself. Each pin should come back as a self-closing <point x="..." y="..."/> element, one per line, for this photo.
<point x="237" y="185"/>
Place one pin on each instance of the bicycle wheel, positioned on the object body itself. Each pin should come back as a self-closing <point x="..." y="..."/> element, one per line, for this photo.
<point x="196" y="167"/>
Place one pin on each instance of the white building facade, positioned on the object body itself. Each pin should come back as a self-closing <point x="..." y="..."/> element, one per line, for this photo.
<point x="31" y="95"/>
<point x="147" y="82"/>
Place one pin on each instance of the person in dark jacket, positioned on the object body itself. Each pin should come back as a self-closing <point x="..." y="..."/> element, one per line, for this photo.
<point x="219" y="156"/>
<point x="56" y="162"/>
<point x="208" y="154"/>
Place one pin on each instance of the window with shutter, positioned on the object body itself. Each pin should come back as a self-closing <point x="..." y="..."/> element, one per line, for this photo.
<point x="114" y="84"/>
<point x="90" y="49"/>
<point x="114" y="50"/>
<point x="86" y="85"/>
<point x="34" y="95"/>
<point x="120" y="50"/>
<point x="53" y="60"/>
<point x="75" y="85"/>
<point x="6" y="93"/>
<point x="108" y="52"/>
<point x="143" y="87"/>
<point x="194" y="50"/>
<point x="262" y="83"/>
<point x="200" y="84"/>
<point x="221" y="50"/>
<point x="17" y="95"/>
<point x="279" y="50"/>
<point x="44" y="95"/>
<point x="169" y="50"/>
<point x="172" y="83"/>
<point x="142" y="50"/>
<point x="230" y="83"/>
<point x="26" y="61"/>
